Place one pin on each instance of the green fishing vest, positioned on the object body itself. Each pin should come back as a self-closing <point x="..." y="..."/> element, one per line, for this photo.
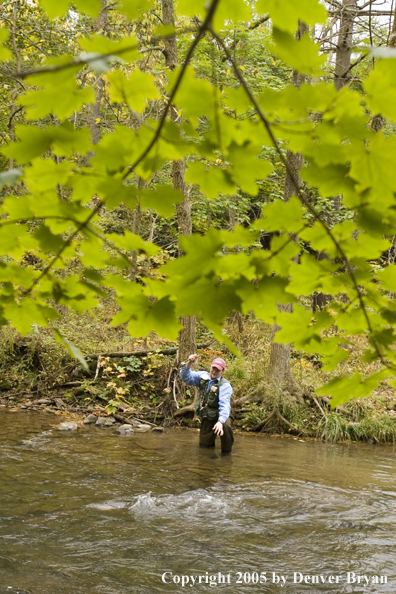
<point x="208" y="402"/>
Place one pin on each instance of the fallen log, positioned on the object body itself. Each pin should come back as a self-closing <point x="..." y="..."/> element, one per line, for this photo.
<point x="165" y="351"/>
<point x="128" y="420"/>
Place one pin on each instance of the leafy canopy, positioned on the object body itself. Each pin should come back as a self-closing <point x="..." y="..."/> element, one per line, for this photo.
<point x="233" y="139"/>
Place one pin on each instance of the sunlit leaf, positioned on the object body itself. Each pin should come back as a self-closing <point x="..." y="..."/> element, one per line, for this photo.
<point x="162" y="199"/>
<point x="212" y="180"/>
<point x="286" y="14"/>
<point x="135" y="90"/>
<point x="302" y="55"/>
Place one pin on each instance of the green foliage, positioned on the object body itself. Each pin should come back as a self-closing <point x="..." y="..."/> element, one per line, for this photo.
<point x="212" y="180"/>
<point x="162" y="199"/>
<point x="92" y="142"/>
<point x="5" y="53"/>
<point x="132" y="363"/>
<point x="61" y="94"/>
<point x="381" y="88"/>
<point x="253" y="415"/>
<point x="135" y="90"/>
<point x="97" y="46"/>
<point x="302" y="54"/>
<point x="287" y="14"/>
<point x="56" y="9"/>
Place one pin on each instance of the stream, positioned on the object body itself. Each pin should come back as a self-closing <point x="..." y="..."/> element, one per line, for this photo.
<point x="91" y="512"/>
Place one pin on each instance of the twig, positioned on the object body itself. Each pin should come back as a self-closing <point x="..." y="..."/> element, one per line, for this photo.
<point x="144" y="421"/>
<point x="97" y="368"/>
<point x="264" y="19"/>
<point x="14" y="114"/>
<point x="174" y="392"/>
<point x="318" y="405"/>
<point x="282" y="418"/>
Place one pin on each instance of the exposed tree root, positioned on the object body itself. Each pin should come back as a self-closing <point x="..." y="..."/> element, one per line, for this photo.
<point x="275" y="413"/>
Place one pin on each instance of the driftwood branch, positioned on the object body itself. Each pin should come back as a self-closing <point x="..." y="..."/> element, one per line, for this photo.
<point x="128" y="420"/>
<point x="318" y="405"/>
<point x="184" y="411"/>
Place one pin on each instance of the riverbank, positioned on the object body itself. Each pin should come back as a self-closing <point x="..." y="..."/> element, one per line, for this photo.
<point x="138" y="379"/>
<point x="333" y="426"/>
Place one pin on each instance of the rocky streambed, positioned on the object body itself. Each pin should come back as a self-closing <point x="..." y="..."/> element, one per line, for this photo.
<point x="80" y="415"/>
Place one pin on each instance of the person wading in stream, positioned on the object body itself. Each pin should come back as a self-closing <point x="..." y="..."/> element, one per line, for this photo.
<point x="214" y="403"/>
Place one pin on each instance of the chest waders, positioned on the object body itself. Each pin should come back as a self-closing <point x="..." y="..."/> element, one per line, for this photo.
<point x="207" y="406"/>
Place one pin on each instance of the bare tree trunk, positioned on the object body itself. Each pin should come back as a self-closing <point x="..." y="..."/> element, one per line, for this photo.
<point x="14" y="108"/>
<point x="378" y="120"/>
<point x="342" y="76"/>
<point x="279" y="366"/>
<point x="279" y="372"/>
<point x="95" y="124"/>
<point x="392" y="37"/>
<point x="187" y="336"/>
<point x="232" y="213"/>
<point x="150" y="238"/>
<point x="95" y="112"/>
<point x="342" y="73"/>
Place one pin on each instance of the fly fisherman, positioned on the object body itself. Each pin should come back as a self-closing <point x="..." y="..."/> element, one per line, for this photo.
<point x="214" y="403"/>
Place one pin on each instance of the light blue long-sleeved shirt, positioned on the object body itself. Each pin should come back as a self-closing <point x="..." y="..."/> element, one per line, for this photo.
<point x="192" y="378"/>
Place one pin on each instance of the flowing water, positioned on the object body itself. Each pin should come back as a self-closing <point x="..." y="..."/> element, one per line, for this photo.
<point x="90" y="512"/>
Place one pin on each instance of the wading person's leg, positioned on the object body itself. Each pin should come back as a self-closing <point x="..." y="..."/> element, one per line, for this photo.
<point x="227" y="439"/>
<point x="207" y="436"/>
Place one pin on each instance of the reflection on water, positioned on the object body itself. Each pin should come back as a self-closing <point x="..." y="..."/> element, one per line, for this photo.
<point x="92" y="512"/>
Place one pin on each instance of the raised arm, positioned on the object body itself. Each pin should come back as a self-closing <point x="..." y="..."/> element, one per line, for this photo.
<point x="190" y="377"/>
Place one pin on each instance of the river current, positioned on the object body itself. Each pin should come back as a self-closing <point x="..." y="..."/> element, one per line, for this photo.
<point x="90" y="512"/>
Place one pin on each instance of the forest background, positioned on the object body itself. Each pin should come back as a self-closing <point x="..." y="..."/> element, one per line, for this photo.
<point x="214" y="177"/>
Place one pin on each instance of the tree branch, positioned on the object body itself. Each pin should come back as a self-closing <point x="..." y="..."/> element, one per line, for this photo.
<point x="299" y="193"/>
<point x="202" y="30"/>
<point x="82" y="61"/>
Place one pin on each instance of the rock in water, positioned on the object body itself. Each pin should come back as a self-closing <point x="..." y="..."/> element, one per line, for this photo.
<point x="142" y="428"/>
<point x="68" y="426"/>
<point x="105" y="422"/>
<point x="135" y="422"/>
<point x="157" y="429"/>
<point x="90" y="419"/>
<point x="125" y="430"/>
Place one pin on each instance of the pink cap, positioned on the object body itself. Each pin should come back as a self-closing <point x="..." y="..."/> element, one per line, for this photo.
<point x="219" y="363"/>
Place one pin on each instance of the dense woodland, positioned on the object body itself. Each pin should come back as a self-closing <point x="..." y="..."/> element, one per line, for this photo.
<point x="217" y="178"/>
